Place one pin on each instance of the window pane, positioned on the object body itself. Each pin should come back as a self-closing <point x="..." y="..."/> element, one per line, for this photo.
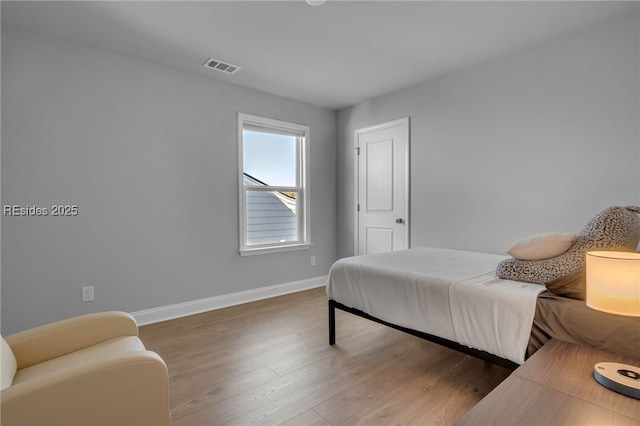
<point x="269" y="159"/>
<point x="271" y="217"/>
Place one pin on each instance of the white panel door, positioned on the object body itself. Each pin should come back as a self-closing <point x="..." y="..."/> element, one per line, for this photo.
<point x="382" y="187"/>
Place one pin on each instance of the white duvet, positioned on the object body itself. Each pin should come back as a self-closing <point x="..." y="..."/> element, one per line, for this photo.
<point x="452" y="294"/>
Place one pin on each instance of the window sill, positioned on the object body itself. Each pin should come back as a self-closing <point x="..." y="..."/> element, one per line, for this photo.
<point x="273" y="249"/>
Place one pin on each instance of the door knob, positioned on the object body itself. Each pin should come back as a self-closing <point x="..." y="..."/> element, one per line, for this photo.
<point x="399" y="220"/>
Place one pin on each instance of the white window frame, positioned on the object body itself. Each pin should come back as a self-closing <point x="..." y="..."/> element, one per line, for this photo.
<point x="302" y="178"/>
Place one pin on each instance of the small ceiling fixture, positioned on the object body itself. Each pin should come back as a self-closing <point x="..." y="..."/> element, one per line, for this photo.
<point x="217" y="65"/>
<point x="315" y="2"/>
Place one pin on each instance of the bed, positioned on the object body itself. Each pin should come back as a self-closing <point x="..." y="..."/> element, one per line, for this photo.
<point x="490" y="306"/>
<point x="573" y="321"/>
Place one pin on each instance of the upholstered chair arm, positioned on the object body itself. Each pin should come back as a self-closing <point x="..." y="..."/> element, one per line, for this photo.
<point x="130" y="388"/>
<point x="49" y="341"/>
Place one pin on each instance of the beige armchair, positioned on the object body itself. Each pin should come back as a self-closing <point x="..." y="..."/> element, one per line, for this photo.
<point x="87" y="370"/>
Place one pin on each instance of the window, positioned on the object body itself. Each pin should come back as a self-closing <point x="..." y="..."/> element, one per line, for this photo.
<point x="274" y="201"/>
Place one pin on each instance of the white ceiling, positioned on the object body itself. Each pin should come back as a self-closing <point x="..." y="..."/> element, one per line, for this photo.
<point x="334" y="55"/>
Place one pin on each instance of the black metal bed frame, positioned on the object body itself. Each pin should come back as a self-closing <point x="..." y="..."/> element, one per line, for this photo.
<point x="486" y="356"/>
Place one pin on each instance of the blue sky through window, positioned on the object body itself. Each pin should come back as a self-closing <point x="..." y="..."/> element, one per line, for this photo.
<point x="270" y="158"/>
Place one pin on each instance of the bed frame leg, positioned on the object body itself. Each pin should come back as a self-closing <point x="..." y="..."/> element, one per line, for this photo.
<point x="332" y="322"/>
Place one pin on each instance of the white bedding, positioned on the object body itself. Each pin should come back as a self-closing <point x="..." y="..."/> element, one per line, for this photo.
<point x="452" y="294"/>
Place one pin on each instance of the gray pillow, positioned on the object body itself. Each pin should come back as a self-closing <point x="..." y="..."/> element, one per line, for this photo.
<point x="573" y="285"/>
<point x="615" y="228"/>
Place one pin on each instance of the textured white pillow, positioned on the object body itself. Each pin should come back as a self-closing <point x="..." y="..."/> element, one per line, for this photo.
<point x="542" y="246"/>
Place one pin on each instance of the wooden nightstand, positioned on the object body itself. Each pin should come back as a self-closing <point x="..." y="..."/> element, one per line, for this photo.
<point x="556" y="387"/>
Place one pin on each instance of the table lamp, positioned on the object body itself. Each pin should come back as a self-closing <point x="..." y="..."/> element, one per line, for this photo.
<point x="613" y="286"/>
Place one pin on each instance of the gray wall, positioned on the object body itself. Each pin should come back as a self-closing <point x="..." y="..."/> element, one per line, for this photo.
<point x="537" y="141"/>
<point x="149" y="155"/>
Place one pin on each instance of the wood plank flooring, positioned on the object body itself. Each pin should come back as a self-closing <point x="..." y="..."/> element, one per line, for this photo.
<point x="269" y="362"/>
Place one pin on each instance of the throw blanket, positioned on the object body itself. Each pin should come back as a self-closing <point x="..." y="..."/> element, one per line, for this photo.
<point x="452" y="294"/>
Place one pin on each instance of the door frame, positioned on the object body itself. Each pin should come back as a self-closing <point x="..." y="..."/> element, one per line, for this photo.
<point x="356" y="167"/>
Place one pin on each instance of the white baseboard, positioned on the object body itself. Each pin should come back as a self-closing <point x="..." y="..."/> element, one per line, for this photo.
<point x="164" y="313"/>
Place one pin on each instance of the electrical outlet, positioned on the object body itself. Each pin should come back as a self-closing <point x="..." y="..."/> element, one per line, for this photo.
<point x="87" y="294"/>
<point x="313" y="261"/>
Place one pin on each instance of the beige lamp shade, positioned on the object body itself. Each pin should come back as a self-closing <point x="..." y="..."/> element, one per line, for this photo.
<point x="613" y="282"/>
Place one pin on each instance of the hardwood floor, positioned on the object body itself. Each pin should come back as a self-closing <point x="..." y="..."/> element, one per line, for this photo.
<point x="269" y="362"/>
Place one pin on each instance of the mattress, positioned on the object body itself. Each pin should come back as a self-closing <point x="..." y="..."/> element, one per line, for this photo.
<point x="451" y="294"/>
<point x="573" y="321"/>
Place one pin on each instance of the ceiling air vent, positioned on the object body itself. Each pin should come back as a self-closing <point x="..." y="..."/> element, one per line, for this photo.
<point x="224" y="67"/>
